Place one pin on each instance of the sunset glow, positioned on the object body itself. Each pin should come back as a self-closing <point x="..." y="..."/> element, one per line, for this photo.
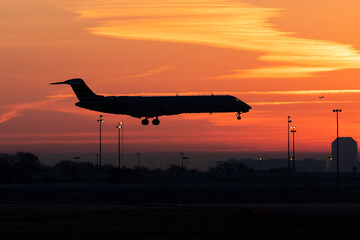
<point x="221" y="23"/>
<point x="280" y="58"/>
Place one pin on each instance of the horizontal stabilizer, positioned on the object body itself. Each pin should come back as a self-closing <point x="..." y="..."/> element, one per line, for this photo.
<point x="59" y="83"/>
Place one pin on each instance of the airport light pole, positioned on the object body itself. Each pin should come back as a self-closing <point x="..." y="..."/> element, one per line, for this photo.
<point x="100" y="120"/>
<point x="185" y="161"/>
<point x="330" y="163"/>
<point x="182" y="160"/>
<point x="76" y="159"/>
<point x="259" y="159"/>
<point x="337" y="149"/>
<point x="288" y="131"/>
<point x="293" y="131"/>
<point x="97" y="159"/>
<point x="122" y="144"/>
<point x="119" y="126"/>
<point x="138" y="155"/>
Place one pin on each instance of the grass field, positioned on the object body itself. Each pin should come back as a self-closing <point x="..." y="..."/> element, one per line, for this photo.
<point x="247" y="221"/>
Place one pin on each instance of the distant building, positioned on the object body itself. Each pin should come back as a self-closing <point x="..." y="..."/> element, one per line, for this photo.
<point x="219" y="163"/>
<point x="265" y="164"/>
<point x="306" y="165"/>
<point x="231" y="160"/>
<point x="347" y="155"/>
<point x="310" y="165"/>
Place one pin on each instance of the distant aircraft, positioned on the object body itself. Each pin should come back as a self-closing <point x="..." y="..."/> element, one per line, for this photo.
<point x="154" y="106"/>
<point x="321" y="97"/>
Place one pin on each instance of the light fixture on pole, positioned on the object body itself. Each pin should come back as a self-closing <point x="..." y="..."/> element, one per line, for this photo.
<point x="138" y="155"/>
<point x="293" y="157"/>
<point x="259" y="159"/>
<point x="97" y="159"/>
<point x="100" y="120"/>
<point x="288" y="131"/>
<point x="76" y="159"/>
<point x="182" y="160"/>
<point x="330" y="163"/>
<point x="337" y="149"/>
<point x="119" y="126"/>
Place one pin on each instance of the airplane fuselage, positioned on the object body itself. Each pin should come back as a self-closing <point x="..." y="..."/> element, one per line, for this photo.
<point x="154" y="106"/>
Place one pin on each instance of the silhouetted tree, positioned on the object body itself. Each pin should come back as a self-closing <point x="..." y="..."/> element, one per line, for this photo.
<point x="158" y="171"/>
<point x="28" y="162"/>
<point x="7" y="167"/>
<point x="69" y="168"/>
<point x="19" y="167"/>
<point x="226" y="167"/>
<point x="280" y="170"/>
<point x="6" y="160"/>
<point x="174" y="169"/>
<point x="123" y="175"/>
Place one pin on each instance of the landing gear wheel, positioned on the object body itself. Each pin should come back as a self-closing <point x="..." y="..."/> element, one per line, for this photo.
<point x="156" y="121"/>
<point x="238" y="116"/>
<point x="145" y="121"/>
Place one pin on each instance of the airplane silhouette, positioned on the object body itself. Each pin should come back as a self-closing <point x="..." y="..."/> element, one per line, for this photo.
<point x="154" y="106"/>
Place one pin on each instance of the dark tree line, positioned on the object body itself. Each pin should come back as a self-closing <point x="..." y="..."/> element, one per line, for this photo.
<point x="25" y="167"/>
<point x="19" y="167"/>
<point x="226" y="167"/>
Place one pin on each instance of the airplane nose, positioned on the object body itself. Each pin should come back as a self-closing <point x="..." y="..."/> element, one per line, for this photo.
<point x="246" y="107"/>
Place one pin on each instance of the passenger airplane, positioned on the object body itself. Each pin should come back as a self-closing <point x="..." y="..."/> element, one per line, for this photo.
<point x="154" y="106"/>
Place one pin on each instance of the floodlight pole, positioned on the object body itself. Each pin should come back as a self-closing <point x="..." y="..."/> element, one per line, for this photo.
<point x="259" y="160"/>
<point x="288" y="131"/>
<point x="100" y="120"/>
<point x="182" y="160"/>
<point x="337" y="149"/>
<point x="119" y="126"/>
<point x="138" y="155"/>
<point x="293" y="131"/>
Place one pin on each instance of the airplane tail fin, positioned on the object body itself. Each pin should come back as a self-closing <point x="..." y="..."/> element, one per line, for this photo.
<point x="82" y="91"/>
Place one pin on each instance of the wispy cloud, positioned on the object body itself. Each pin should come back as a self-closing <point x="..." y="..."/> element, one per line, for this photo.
<point x="10" y="115"/>
<point x="51" y="103"/>
<point x="17" y="110"/>
<point x="284" y="92"/>
<point x="276" y="72"/>
<point x="220" y="23"/>
<point x="151" y="72"/>
<point x="306" y="92"/>
<point x="296" y="102"/>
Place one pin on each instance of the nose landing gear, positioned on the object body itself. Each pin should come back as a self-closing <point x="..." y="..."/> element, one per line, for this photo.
<point x="238" y="116"/>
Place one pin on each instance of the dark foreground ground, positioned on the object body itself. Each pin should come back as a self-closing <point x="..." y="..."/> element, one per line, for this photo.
<point x="244" y="207"/>
<point x="235" y="221"/>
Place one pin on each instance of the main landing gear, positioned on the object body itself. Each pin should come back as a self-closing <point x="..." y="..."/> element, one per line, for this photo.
<point x="155" y="121"/>
<point x="238" y="116"/>
<point x="145" y="121"/>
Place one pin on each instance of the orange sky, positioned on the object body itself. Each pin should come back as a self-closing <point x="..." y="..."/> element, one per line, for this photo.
<point x="278" y="56"/>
